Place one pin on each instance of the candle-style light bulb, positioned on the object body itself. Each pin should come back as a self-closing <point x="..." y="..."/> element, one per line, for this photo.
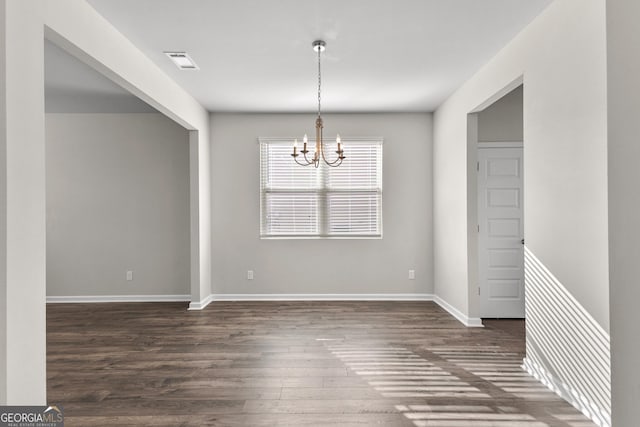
<point x="305" y="139"/>
<point x="339" y="141"/>
<point x="295" y="146"/>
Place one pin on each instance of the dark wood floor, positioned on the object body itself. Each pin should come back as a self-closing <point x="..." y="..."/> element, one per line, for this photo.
<point x="291" y="364"/>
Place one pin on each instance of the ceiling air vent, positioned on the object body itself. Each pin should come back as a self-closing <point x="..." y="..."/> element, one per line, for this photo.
<point x="182" y="60"/>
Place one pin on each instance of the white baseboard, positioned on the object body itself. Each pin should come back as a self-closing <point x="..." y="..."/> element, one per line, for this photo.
<point x="117" y="298"/>
<point x="471" y="322"/>
<point x="199" y="305"/>
<point x="322" y="297"/>
<point x="589" y="409"/>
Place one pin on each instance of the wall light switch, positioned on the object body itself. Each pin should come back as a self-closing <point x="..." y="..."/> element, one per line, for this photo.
<point x="129" y="275"/>
<point x="249" y="274"/>
<point x="412" y="274"/>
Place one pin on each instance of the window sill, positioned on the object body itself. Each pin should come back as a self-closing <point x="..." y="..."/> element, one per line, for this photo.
<point x="377" y="237"/>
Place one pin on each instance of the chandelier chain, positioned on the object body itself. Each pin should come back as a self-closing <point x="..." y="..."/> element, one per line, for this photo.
<point x="319" y="81"/>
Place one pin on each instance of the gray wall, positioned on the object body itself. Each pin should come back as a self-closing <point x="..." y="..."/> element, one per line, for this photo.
<point x="565" y="154"/>
<point x="117" y="200"/>
<point x="344" y="266"/>
<point x="623" y="39"/>
<point x="502" y="120"/>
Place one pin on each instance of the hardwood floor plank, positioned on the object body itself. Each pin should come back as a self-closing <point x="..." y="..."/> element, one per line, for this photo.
<point x="374" y="405"/>
<point x="329" y="393"/>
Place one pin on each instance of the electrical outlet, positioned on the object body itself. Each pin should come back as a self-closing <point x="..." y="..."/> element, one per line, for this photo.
<point x="412" y="274"/>
<point x="249" y="274"/>
<point x="129" y="275"/>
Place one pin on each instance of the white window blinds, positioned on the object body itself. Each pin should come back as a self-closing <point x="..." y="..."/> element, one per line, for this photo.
<point x="302" y="201"/>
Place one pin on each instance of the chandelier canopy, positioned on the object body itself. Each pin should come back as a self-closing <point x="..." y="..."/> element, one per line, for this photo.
<point x="319" y="46"/>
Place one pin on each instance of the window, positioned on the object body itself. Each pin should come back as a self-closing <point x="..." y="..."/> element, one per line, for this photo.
<point x="297" y="201"/>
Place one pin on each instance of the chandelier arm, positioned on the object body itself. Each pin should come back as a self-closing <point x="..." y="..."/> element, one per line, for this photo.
<point x="308" y="162"/>
<point x="325" y="158"/>
<point x="315" y="161"/>
<point x="301" y="164"/>
<point x="338" y="159"/>
<point x="334" y="164"/>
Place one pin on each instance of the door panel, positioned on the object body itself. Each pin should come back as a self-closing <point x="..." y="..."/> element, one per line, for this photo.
<point x="503" y="227"/>
<point x="504" y="258"/>
<point x="500" y="222"/>
<point x="503" y="198"/>
<point x="504" y="289"/>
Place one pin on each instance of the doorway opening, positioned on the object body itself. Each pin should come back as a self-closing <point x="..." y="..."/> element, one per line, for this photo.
<point x="496" y="207"/>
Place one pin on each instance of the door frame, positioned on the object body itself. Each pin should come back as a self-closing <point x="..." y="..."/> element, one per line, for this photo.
<point x="473" y="298"/>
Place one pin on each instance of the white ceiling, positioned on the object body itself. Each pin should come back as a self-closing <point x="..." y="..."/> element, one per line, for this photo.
<point x="382" y="55"/>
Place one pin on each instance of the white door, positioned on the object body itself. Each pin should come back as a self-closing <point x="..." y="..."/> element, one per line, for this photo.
<point x="501" y="233"/>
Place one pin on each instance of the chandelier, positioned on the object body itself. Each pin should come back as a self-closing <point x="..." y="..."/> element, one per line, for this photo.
<point x="318" y="46"/>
